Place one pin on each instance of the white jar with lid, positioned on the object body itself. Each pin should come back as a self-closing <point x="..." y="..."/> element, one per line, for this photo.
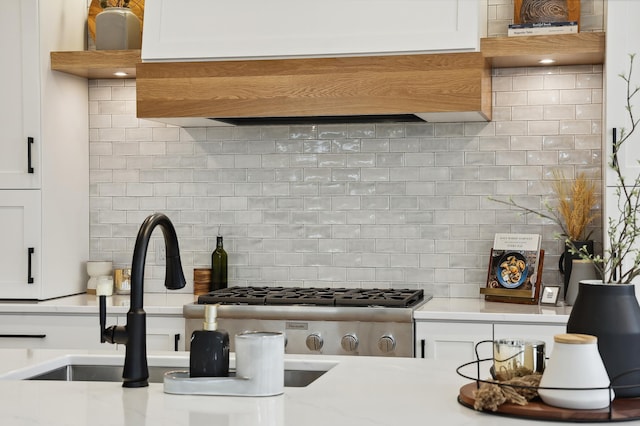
<point x="575" y="364"/>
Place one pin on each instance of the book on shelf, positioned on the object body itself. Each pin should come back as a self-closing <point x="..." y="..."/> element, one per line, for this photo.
<point x="515" y="268"/>
<point x="543" y="28"/>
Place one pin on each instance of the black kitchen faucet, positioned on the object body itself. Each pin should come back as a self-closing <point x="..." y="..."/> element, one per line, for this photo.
<point x="134" y="333"/>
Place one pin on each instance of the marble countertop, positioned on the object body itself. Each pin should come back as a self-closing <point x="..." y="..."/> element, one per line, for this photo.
<point x="357" y="391"/>
<point x="452" y="309"/>
<point x="169" y="303"/>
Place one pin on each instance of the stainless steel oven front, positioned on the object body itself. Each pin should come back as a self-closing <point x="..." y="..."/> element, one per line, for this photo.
<point x="370" y="331"/>
<point x="330" y="321"/>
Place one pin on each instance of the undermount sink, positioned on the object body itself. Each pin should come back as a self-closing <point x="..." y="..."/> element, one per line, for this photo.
<point x="112" y="373"/>
<point x="108" y="368"/>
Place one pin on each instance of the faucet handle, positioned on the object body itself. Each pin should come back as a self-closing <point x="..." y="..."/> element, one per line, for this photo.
<point x="113" y="334"/>
<point x="103" y="317"/>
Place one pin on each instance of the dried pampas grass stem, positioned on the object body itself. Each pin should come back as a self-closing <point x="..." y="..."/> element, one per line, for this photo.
<point x="576" y="200"/>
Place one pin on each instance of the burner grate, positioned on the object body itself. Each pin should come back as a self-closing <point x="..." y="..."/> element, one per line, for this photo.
<point x="380" y="297"/>
<point x="313" y="296"/>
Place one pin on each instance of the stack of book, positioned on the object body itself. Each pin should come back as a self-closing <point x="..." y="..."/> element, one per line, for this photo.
<point x="543" y="28"/>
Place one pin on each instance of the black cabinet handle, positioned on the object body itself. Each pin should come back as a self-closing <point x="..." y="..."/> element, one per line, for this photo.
<point x="29" y="273"/>
<point x="176" y="339"/>
<point x="423" y="343"/>
<point x="29" y="165"/>
<point x="23" y="336"/>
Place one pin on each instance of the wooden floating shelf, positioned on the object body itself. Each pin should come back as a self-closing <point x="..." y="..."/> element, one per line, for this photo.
<point x="565" y="49"/>
<point x="527" y="51"/>
<point x="97" y="63"/>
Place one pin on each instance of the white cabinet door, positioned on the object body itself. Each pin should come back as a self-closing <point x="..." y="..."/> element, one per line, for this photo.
<point x="252" y="29"/>
<point x="452" y="340"/>
<point x="52" y="213"/>
<point x="52" y="331"/>
<point x="457" y="340"/>
<point x="165" y="333"/>
<point x="20" y="252"/>
<point x="623" y="38"/>
<point x="20" y="89"/>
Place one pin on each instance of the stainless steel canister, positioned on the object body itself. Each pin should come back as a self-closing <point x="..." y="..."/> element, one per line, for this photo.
<point x="516" y="357"/>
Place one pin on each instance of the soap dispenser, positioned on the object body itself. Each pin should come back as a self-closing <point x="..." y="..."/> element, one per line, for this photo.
<point x="209" y="355"/>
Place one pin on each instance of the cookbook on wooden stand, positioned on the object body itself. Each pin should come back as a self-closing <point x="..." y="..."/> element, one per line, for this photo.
<point x="515" y="269"/>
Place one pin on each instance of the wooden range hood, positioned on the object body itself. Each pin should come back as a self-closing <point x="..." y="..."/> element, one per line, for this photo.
<point x="433" y="87"/>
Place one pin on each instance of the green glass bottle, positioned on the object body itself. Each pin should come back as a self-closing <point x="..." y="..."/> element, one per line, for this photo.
<point x="218" y="266"/>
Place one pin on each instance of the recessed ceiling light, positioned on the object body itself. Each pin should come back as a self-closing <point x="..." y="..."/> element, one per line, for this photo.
<point x="120" y="74"/>
<point x="546" y="61"/>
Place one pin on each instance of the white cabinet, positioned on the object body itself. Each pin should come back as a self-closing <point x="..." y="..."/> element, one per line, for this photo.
<point x="19" y="85"/>
<point x="452" y="340"/>
<point x="250" y="29"/>
<point x="52" y="331"/>
<point x="623" y="38"/>
<point x="456" y="340"/>
<point x="165" y="333"/>
<point x="50" y="108"/>
<point x="82" y="331"/>
<point x="20" y="227"/>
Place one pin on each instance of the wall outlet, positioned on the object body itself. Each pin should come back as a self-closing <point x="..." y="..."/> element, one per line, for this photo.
<point x="161" y="252"/>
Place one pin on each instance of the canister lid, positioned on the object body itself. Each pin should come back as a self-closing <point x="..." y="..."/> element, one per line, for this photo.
<point x="575" y="339"/>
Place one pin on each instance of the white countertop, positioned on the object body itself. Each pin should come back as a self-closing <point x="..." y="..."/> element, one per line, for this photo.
<point x="450" y="309"/>
<point x="358" y="391"/>
<point x="169" y="303"/>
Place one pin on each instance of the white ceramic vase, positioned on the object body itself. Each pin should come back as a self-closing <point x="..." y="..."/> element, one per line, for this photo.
<point x="581" y="270"/>
<point x="575" y="365"/>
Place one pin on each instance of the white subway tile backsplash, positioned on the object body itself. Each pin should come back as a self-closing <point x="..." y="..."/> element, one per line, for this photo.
<point x="358" y="204"/>
<point x="576" y="96"/>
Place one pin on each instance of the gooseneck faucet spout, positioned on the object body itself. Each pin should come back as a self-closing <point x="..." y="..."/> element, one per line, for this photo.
<point x="134" y="334"/>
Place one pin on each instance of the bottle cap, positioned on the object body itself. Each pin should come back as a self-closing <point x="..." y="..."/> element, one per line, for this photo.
<point x="210" y="317"/>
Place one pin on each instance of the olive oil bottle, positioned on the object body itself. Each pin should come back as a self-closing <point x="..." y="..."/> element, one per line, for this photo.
<point x="218" y="266"/>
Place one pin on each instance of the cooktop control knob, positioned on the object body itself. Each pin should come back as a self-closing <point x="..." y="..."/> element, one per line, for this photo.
<point x="349" y="342"/>
<point x="314" y="341"/>
<point x="387" y="344"/>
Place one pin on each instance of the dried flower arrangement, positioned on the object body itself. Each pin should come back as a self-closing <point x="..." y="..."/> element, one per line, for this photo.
<point x="576" y="199"/>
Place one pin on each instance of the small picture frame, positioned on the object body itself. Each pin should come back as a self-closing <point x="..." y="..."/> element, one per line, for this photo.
<point x="550" y="295"/>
